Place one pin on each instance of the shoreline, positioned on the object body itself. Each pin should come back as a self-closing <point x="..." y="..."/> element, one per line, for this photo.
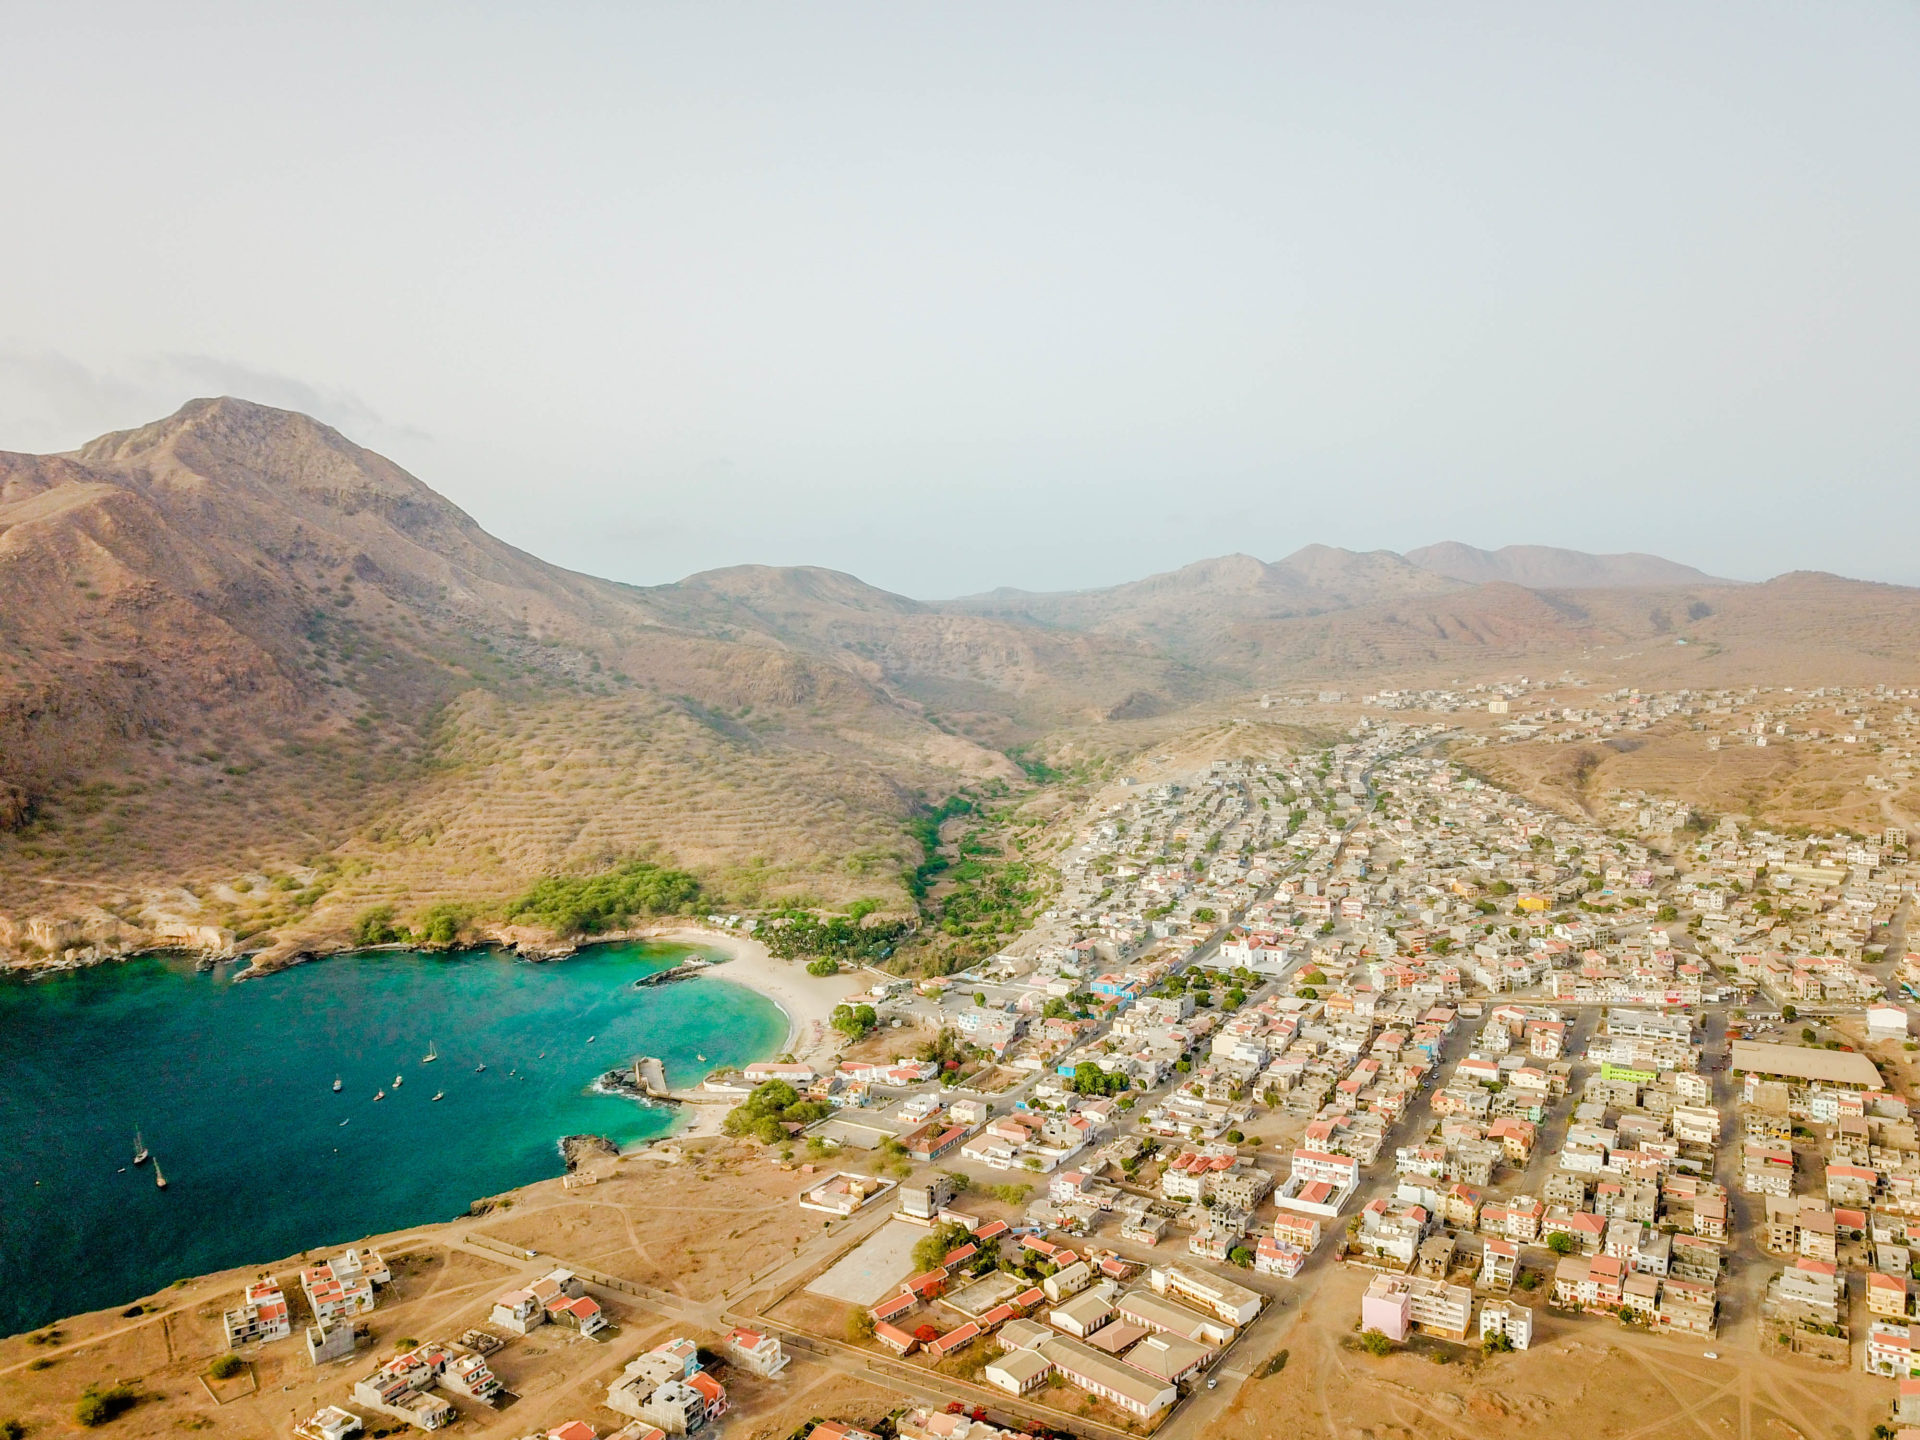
<point x="805" y="1000"/>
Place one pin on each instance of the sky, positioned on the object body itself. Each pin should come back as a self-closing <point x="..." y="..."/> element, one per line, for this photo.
<point x="1035" y="294"/>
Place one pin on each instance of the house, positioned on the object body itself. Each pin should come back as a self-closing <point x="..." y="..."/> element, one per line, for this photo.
<point x="329" y="1423"/>
<point x="1233" y="1303"/>
<point x="1018" y="1371"/>
<point x="757" y="1353"/>
<point x="1395" y="1304"/>
<point x="519" y="1311"/>
<point x="262" y="1316"/>
<point x="1513" y="1322"/>
<point x="1126" y="1386"/>
<point x="1170" y="1358"/>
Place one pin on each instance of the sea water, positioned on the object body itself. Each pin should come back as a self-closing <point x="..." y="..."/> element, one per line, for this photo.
<point x="230" y="1084"/>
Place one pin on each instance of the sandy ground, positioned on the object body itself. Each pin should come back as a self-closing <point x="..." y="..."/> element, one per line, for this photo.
<point x="806" y="1000"/>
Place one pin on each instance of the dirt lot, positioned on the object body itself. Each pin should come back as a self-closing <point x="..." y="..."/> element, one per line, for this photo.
<point x="1583" y="1377"/>
<point x="695" y="1228"/>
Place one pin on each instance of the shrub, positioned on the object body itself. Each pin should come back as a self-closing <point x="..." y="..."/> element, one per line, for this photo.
<point x="12" y="1430"/>
<point x="375" y="927"/>
<point x="1376" y="1343"/>
<point x="225" y="1367"/>
<point x="97" y="1407"/>
<point x="588" y="904"/>
<point x="823" y="967"/>
<point x="859" y="1326"/>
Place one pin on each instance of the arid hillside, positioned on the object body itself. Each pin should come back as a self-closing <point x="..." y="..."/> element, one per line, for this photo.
<point x="255" y="677"/>
<point x="256" y="680"/>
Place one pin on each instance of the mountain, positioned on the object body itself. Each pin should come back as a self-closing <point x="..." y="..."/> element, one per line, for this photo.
<point x="256" y="678"/>
<point x="1195" y="611"/>
<point x="1545" y="567"/>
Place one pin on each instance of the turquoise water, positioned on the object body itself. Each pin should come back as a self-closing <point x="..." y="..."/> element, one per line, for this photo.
<point x="231" y="1087"/>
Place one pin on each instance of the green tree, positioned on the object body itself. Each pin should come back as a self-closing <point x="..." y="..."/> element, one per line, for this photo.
<point x="588" y="904"/>
<point x="1240" y="1255"/>
<point x="859" y="1325"/>
<point x="1376" y="1343"/>
<point x="1560" y="1243"/>
<point x="854" y="1021"/>
<point x="225" y="1367"/>
<point x="931" y="1250"/>
<point x="440" y="924"/>
<point x="373" y="927"/>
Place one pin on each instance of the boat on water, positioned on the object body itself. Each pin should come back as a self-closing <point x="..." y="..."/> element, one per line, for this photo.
<point x="433" y="1054"/>
<point x="379" y="1094"/>
<point x="398" y="1081"/>
<point x="159" y="1179"/>
<point x="592" y="1038"/>
<point x="439" y="1094"/>
<point x="139" y="1149"/>
<point x="701" y="1058"/>
<point x="481" y="1066"/>
<point x="343" y="1122"/>
<point x="336" y="1084"/>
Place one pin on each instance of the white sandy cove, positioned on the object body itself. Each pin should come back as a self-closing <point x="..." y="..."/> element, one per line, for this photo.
<point x="806" y="1000"/>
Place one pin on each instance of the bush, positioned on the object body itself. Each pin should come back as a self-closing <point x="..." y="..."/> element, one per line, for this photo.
<point x="13" y="1430"/>
<point x="1375" y="1343"/>
<point x="225" y="1367"/>
<point x="854" y="1021"/>
<point x="823" y="967"/>
<point x="441" y="924"/>
<point x="859" y="1326"/>
<point x="766" y="1113"/>
<point x="586" y="905"/>
<point x="97" y="1407"/>
<point x="375" y="927"/>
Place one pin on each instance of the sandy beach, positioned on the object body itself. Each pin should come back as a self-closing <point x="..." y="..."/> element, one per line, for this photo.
<point x="806" y="1000"/>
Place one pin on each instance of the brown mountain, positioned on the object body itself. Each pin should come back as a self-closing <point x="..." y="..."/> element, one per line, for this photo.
<point x="256" y="678"/>
<point x="1546" y="567"/>
<point x="234" y="644"/>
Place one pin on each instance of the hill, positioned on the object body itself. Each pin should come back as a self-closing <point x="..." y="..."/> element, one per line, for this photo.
<point x="257" y="678"/>
<point x="1546" y="567"/>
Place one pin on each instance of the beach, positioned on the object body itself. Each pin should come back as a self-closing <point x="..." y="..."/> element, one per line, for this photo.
<point x="806" y="1000"/>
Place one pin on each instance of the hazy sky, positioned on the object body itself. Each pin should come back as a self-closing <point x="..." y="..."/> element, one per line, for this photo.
<point x="1036" y="294"/>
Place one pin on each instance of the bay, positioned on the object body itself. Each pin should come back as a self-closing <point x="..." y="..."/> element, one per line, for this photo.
<point x="230" y="1085"/>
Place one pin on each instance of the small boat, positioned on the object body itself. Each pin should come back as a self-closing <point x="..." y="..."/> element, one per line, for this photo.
<point x="139" y="1149"/>
<point x="481" y="1066"/>
<point x="336" y="1084"/>
<point x="347" y="1120"/>
<point x="379" y="1094"/>
<point x="439" y="1094"/>
<point x="433" y="1054"/>
<point x="121" y="1171"/>
<point x="701" y="1058"/>
<point x="398" y="1081"/>
<point x="592" y="1038"/>
<point x="159" y="1180"/>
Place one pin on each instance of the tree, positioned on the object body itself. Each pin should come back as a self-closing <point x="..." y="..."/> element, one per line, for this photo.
<point x="1493" y="1344"/>
<point x="979" y="997"/>
<point x="854" y="1021"/>
<point x="374" y="927"/>
<point x="1375" y="1342"/>
<point x="225" y="1367"/>
<point x="859" y="1325"/>
<point x="1788" y="1012"/>
<point x="1560" y="1243"/>
<point x="1206" y="915"/>
<point x="766" y="1113"/>
<point x="1240" y="1255"/>
<point x="931" y="1250"/>
<point x="826" y="965"/>
<point x="440" y="924"/>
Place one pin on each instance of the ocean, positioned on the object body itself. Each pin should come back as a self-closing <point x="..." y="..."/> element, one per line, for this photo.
<point x="230" y="1086"/>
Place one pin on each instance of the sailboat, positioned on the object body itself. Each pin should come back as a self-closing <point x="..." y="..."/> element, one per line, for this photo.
<point x="439" y="1094"/>
<point x="433" y="1054"/>
<point x="139" y="1149"/>
<point x="336" y="1084"/>
<point x="159" y="1179"/>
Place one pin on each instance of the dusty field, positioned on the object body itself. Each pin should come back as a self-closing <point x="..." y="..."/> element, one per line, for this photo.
<point x="1583" y="1377"/>
<point x="695" y="1229"/>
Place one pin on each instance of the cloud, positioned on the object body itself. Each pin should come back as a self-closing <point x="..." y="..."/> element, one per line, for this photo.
<point x="53" y="401"/>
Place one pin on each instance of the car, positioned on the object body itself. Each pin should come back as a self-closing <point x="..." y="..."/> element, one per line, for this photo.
<point x="1709" y="1354"/>
<point x="1212" y="1383"/>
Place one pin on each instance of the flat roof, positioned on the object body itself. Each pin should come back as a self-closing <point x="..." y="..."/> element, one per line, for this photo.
<point x="1796" y="1062"/>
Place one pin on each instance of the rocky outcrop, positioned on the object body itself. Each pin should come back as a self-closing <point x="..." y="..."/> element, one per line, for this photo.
<point x="578" y="1150"/>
